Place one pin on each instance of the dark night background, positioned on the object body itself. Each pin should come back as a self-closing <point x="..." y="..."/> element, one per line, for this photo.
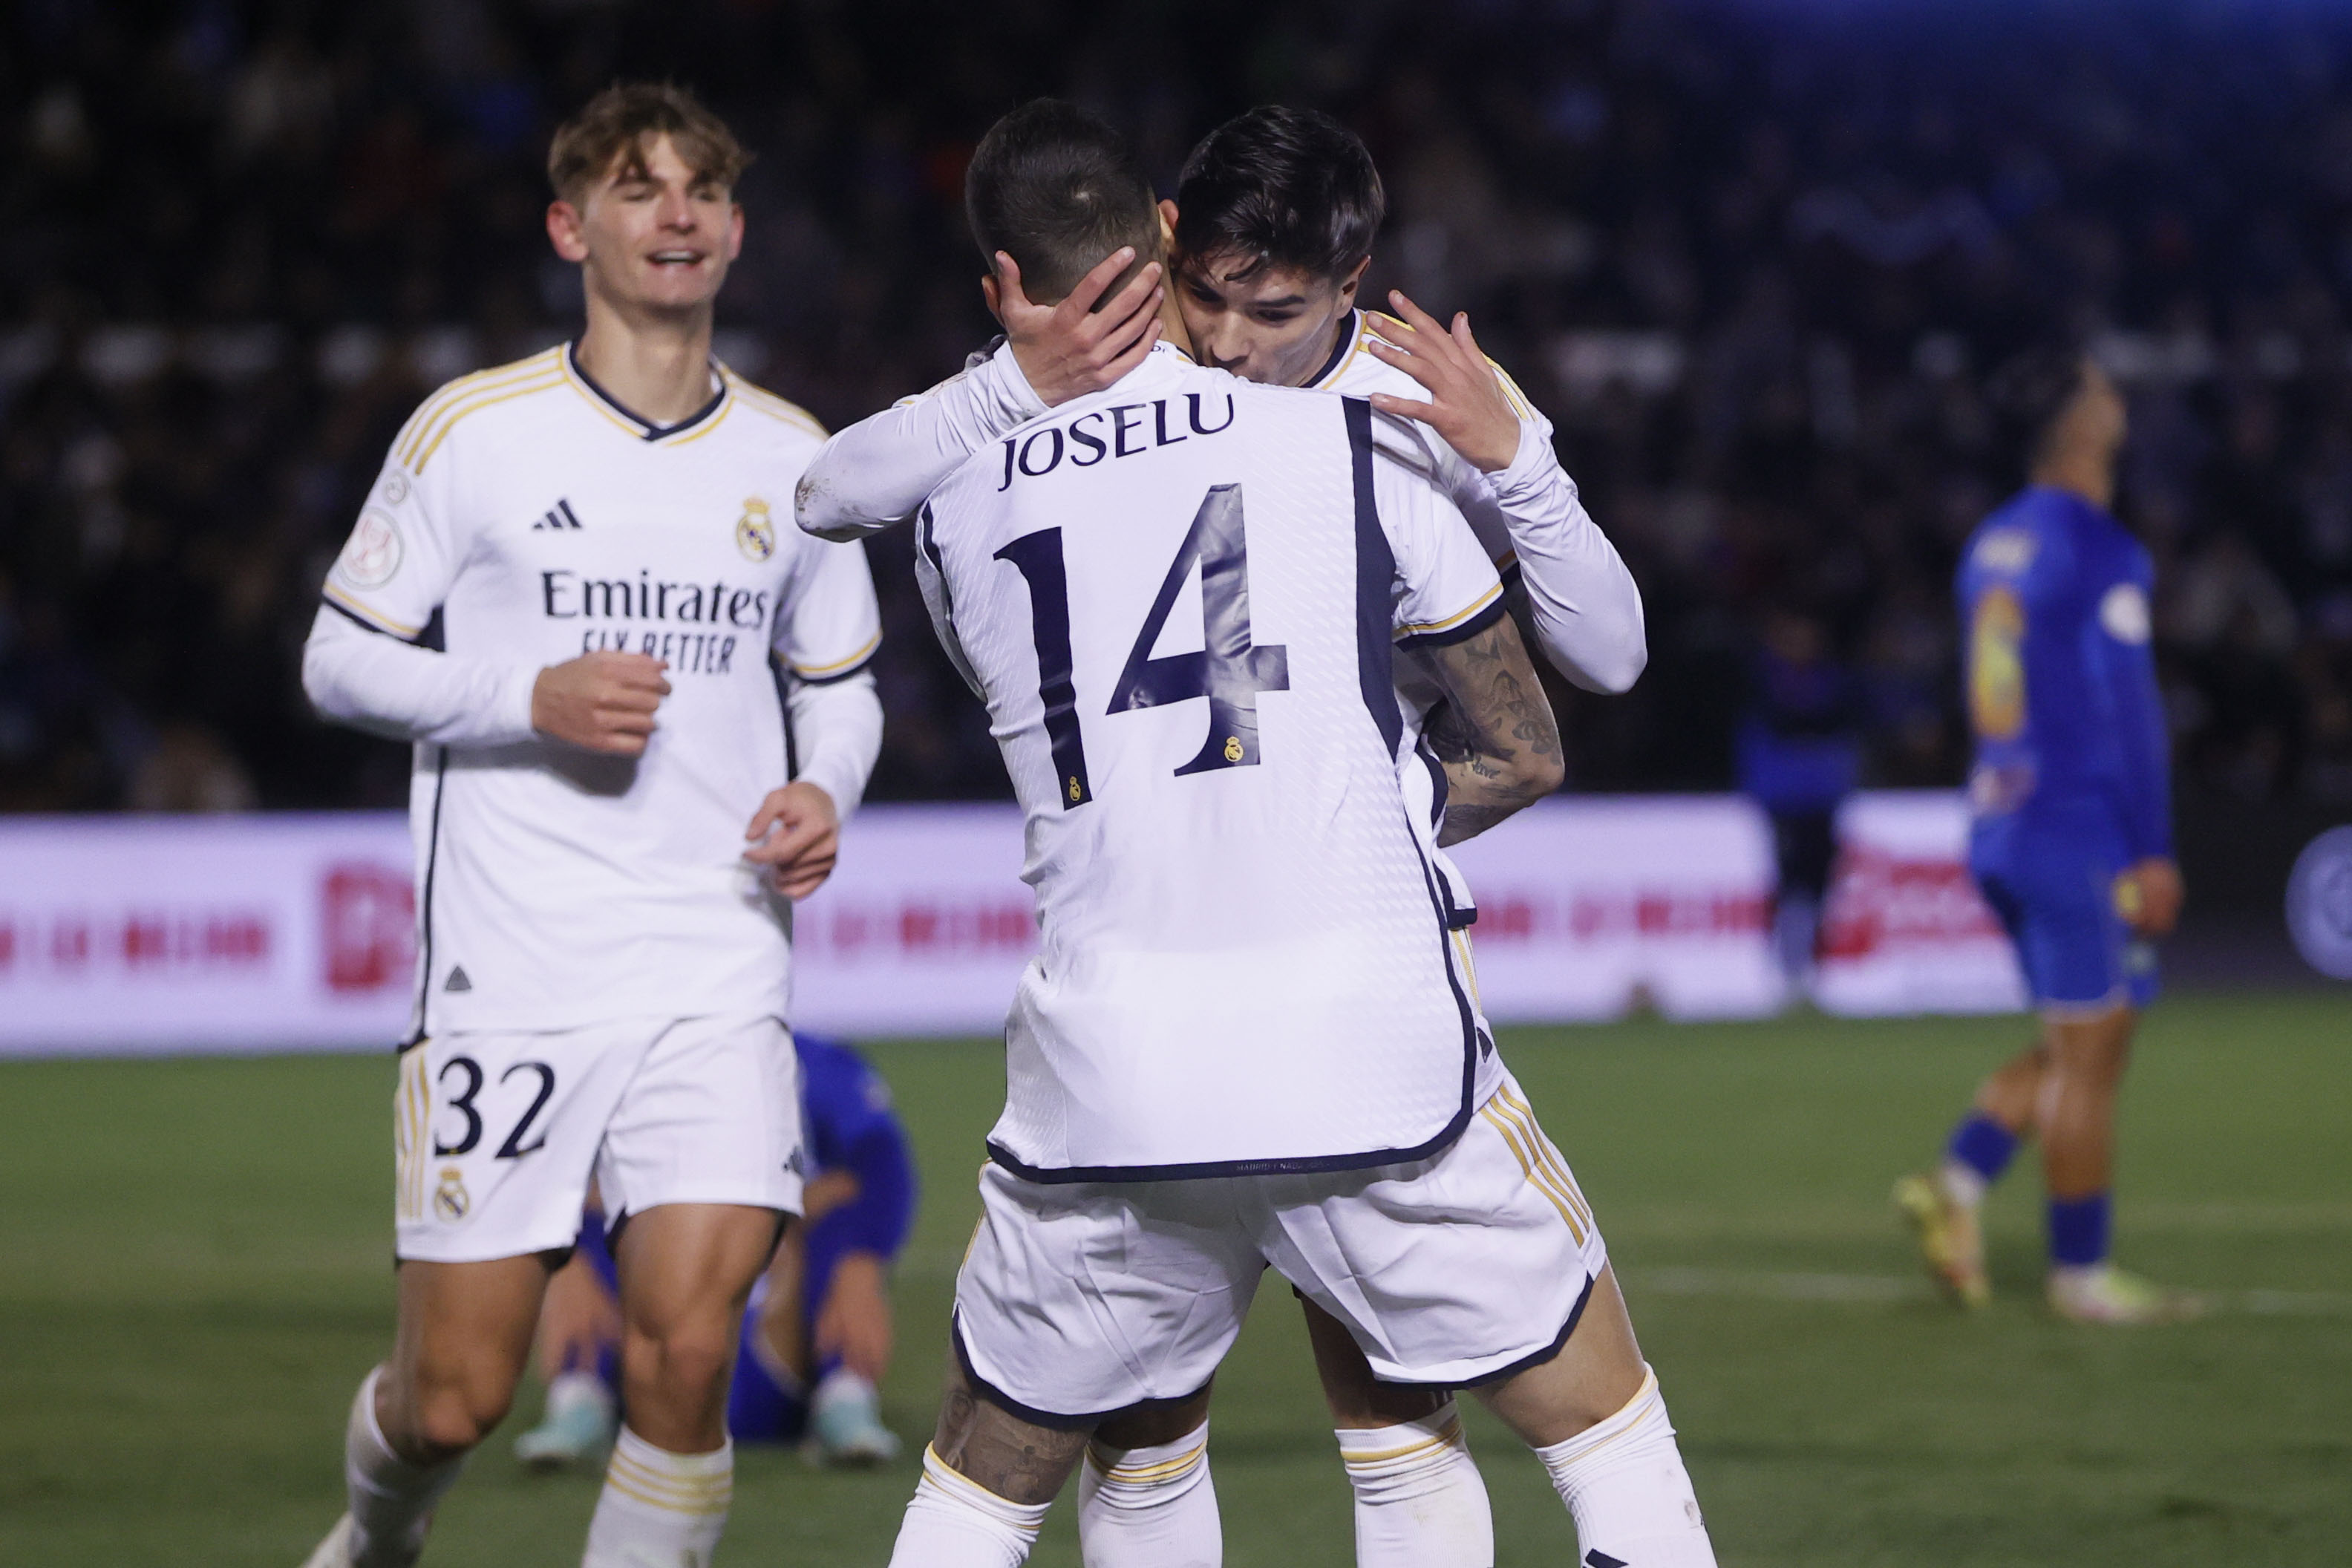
<point x="1755" y="260"/>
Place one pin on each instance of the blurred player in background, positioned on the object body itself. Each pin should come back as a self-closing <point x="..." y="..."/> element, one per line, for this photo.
<point x="1271" y="231"/>
<point x="1233" y="1052"/>
<point x="2072" y="838"/>
<point x="567" y="588"/>
<point x="817" y="1334"/>
<point x="1799" y="750"/>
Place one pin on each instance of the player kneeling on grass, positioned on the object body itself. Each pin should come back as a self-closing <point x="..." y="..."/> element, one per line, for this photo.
<point x="1249" y="1039"/>
<point x="567" y="588"/>
<point x="2072" y="838"/>
<point x="817" y="1334"/>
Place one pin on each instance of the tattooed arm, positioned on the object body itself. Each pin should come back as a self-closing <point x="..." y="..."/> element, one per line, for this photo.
<point x="1494" y="732"/>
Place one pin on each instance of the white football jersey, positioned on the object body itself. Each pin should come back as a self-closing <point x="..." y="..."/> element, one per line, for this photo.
<point x="1353" y="372"/>
<point x="524" y="516"/>
<point x="1181" y="599"/>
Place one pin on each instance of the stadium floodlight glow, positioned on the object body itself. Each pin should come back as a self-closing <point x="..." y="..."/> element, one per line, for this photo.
<point x="2319" y="903"/>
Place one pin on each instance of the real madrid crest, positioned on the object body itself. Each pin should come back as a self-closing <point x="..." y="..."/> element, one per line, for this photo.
<point x="755" y="530"/>
<point x="449" y="1200"/>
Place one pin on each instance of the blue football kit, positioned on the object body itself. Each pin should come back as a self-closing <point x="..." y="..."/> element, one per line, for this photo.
<point x="2070" y="784"/>
<point x="847" y="1124"/>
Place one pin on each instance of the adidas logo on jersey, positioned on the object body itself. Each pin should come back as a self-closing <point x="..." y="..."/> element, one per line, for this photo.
<point x="559" y="516"/>
<point x="457" y="980"/>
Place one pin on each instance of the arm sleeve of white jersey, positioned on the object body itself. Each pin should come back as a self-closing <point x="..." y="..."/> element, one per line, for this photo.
<point x="836" y="735"/>
<point x="826" y="633"/>
<point x="387" y="685"/>
<point x="1586" y="608"/>
<point x="363" y="664"/>
<point x="877" y="471"/>
<point x="1446" y="588"/>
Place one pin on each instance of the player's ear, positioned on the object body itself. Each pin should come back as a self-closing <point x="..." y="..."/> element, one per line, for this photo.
<point x="563" y="231"/>
<point x="994" y="295"/>
<point x="734" y="230"/>
<point x="1167" y="226"/>
<point x="1352" y="282"/>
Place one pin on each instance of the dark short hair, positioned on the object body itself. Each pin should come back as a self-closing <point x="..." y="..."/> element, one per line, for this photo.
<point x="616" y="124"/>
<point x="2027" y="393"/>
<point x="1284" y="187"/>
<point x="1057" y="189"/>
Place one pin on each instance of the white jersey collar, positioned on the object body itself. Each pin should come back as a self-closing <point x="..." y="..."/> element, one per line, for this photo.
<point x="636" y="425"/>
<point x="1343" y="352"/>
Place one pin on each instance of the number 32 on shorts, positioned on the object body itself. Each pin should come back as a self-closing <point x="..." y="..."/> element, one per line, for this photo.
<point x="459" y="1096"/>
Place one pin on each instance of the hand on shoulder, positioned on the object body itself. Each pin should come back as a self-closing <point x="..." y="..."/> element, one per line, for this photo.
<point x="1467" y="405"/>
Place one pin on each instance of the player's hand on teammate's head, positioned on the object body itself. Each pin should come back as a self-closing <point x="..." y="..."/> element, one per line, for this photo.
<point x="1466" y="402"/>
<point x="796" y="833"/>
<point x="1070" y="348"/>
<point x="601" y="702"/>
<point x="2149" y="896"/>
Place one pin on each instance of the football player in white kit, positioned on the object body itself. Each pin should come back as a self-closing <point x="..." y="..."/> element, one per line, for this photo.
<point x="1249" y="1038"/>
<point x="1272" y="232"/>
<point x="567" y="589"/>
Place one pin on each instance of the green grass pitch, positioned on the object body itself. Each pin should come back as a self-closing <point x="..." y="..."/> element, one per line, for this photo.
<point x="194" y="1274"/>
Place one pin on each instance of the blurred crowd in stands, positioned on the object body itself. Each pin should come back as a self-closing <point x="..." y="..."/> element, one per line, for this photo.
<point x="1756" y="262"/>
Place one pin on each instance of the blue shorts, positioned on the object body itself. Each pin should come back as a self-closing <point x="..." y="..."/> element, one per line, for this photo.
<point x="2057" y="901"/>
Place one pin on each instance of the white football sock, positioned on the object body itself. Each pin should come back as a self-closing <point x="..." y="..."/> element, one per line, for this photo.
<point x="955" y="1522"/>
<point x="660" y="1509"/>
<point x="1624" y="1485"/>
<point x="1420" y="1500"/>
<point x="1149" y="1508"/>
<point x="390" y="1499"/>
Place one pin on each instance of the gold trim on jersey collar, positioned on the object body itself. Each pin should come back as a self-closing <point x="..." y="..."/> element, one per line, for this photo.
<point x="699" y="423"/>
<point x="1355" y="346"/>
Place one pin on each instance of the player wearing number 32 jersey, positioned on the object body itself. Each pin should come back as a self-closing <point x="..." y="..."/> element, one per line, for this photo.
<point x="575" y="588"/>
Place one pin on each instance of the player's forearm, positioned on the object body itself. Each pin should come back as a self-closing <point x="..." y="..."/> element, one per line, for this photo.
<point x="376" y="682"/>
<point x="1484" y="790"/>
<point x="1586" y="608"/>
<point x="837" y="736"/>
<point x="2146" y="785"/>
<point x="877" y="471"/>
<point x="1495" y="734"/>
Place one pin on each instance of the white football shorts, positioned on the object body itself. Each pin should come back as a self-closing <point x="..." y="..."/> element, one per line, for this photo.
<point x="497" y="1135"/>
<point x="1078" y="1299"/>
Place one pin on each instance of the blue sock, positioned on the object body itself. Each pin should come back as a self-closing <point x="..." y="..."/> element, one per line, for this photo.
<point x="1983" y="1145"/>
<point x="2078" y="1230"/>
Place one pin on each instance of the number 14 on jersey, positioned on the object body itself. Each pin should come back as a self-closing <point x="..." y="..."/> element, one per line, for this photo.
<point x="1230" y="670"/>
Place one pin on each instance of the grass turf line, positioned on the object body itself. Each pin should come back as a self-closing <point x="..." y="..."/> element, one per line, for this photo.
<point x="193" y="1273"/>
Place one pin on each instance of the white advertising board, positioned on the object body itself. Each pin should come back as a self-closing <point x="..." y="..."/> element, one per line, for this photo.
<point x="923" y="928"/>
<point x="130" y="934"/>
<point x="1904" y="929"/>
<point x="1589" y="907"/>
<point x="268" y="932"/>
